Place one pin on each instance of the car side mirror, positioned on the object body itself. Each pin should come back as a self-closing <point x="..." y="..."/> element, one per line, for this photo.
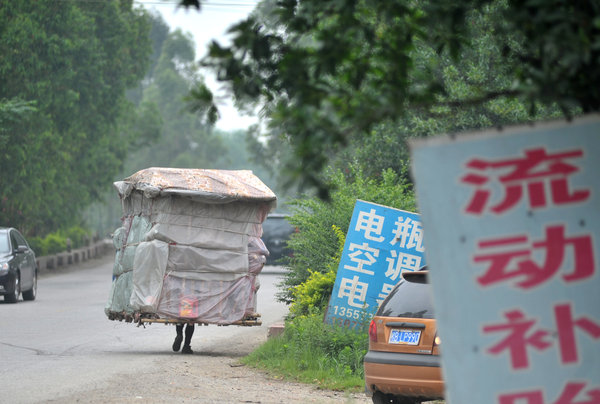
<point x="21" y="249"/>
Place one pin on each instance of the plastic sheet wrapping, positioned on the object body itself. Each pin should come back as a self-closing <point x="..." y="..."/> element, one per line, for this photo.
<point x="139" y="226"/>
<point x="206" y="261"/>
<point x="119" y="239"/>
<point x="199" y="237"/>
<point x="190" y="246"/>
<point x="149" y="269"/>
<point x="257" y="255"/>
<point x="120" y="293"/>
<point x="251" y="306"/>
<point x="215" y="302"/>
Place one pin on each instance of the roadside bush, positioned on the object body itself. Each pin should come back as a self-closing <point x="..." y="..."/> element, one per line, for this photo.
<point x="314" y="293"/>
<point x="56" y="242"/>
<point x="314" y="352"/>
<point x="53" y="243"/>
<point x="78" y="235"/>
<point x="36" y="244"/>
<point x="315" y="245"/>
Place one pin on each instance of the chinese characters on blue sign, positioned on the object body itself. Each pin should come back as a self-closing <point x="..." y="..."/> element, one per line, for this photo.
<point x="380" y="244"/>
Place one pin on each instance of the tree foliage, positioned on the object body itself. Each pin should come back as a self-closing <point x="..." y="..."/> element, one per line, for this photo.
<point x="72" y="61"/>
<point x="327" y="71"/>
<point x="169" y="134"/>
<point x="181" y="138"/>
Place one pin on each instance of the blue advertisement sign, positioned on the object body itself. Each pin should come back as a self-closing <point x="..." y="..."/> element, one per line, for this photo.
<point x="381" y="243"/>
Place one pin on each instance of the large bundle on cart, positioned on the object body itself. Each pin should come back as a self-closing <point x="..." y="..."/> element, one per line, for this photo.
<point x="189" y="249"/>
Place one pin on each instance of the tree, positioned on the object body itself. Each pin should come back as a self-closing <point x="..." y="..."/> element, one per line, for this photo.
<point x="326" y="71"/>
<point x="182" y="140"/>
<point x="73" y="61"/>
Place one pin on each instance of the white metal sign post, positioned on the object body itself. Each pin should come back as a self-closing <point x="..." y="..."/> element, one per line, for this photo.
<point x="512" y="226"/>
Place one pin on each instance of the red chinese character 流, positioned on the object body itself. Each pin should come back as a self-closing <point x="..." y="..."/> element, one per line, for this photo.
<point x="535" y="172"/>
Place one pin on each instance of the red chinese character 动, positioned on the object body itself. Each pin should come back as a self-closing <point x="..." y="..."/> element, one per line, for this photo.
<point x="534" y="171"/>
<point x="512" y="258"/>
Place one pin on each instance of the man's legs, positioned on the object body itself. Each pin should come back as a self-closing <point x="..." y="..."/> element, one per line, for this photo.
<point x="189" y="331"/>
<point x="178" y="337"/>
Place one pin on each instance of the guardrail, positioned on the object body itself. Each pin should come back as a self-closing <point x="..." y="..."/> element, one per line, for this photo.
<point x="95" y="250"/>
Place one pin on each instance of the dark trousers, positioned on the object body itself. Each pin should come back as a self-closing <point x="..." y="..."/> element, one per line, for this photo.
<point x="189" y="331"/>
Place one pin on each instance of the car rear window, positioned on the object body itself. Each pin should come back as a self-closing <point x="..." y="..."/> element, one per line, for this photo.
<point x="410" y="299"/>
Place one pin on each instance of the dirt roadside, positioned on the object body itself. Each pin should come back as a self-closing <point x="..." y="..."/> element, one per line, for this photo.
<point x="213" y="374"/>
<point x="210" y="375"/>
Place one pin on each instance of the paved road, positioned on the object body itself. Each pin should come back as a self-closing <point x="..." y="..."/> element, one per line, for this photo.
<point x="62" y="343"/>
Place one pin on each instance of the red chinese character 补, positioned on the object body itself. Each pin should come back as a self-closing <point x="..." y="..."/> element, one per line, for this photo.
<point x="513" y="259"/>
<point x="521" y="334"/>
<point x="534" y="171"/>
<point x="565" y="325"/>
<point x="516" y="341"/>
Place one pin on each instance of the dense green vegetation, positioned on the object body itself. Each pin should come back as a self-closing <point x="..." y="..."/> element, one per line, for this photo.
<point x="325" y="72"/>
<point x="59" y="241"/>
<point x="176" y="136"/>
<point x="91" y="92"/>
<point x="313" y="352"/>
<point x="64" y="71"/>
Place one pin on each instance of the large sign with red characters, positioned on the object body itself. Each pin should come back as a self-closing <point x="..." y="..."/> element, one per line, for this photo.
<point x="511" y="221"/>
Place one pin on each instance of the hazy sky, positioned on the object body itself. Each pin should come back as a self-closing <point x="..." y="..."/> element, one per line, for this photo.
<point x="210" y="23"/>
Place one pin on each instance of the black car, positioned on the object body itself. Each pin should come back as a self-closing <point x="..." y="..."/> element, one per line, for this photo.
<point x="18" y="268"/>
<point x="276" y="232"/>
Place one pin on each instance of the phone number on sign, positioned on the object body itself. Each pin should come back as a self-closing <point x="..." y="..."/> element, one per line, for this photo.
<point x="348" y="317"/>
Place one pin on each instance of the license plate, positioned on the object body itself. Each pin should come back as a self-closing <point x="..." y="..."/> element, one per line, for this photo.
<point x="408" y="337"/>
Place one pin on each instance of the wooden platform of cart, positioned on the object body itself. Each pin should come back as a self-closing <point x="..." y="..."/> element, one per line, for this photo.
<point x="251" y="320"/>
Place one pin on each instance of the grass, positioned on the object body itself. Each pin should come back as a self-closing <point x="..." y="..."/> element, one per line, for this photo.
<point x="312" y="352"/>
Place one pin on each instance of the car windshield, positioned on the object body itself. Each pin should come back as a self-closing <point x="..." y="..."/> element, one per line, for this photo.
<point x="410" y="299"/>
<point x="4" y="244"/>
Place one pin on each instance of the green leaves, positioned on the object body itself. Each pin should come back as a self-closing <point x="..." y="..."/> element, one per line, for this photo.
<point x="74" y="60"/>
<point x="327" y="71"/>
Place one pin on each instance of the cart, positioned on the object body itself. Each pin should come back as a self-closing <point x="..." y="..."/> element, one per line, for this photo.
<point x="189" y="248"/>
